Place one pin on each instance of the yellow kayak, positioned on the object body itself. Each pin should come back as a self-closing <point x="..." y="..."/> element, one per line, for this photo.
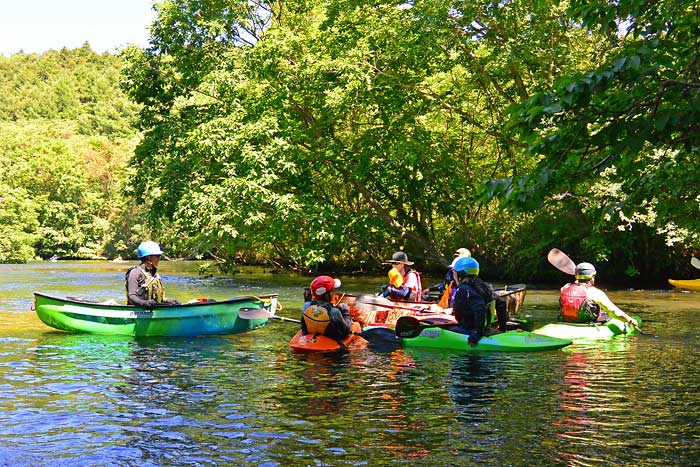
<point x="688" y="284"/>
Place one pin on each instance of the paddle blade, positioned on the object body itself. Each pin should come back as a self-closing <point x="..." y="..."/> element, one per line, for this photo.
<point x="559" y="260"/>
<point x="254" y="313"/>
<point x="695" y="262"/>
<point x="381" y="338"/>
<point x="408" y="327"/>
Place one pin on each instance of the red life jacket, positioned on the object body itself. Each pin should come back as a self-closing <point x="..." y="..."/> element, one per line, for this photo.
<point x="574" y="306"/>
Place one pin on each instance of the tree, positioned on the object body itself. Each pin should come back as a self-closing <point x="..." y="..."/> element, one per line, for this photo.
<point x="620" y="140"/>
<point x="65" y="136"/>
<point x="325" y="131"/>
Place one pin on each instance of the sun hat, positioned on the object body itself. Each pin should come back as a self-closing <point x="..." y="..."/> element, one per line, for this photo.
<point x="399" y="257"/>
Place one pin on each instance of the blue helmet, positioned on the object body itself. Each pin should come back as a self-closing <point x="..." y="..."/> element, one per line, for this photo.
<point x="147" y="249"/>
<point x="467" y="264"/>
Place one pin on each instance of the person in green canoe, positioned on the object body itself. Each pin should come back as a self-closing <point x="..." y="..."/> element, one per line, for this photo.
<point x="472" y="301"/>
<point x="582" y="302"/>
<point x="144" y="286"/>
<point x="319" y="316"/>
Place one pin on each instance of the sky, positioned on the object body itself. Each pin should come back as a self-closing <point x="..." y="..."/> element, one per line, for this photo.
<point x="35" y="26"/>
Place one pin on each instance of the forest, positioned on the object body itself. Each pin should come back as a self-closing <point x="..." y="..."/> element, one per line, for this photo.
<point x="325" y="135"/>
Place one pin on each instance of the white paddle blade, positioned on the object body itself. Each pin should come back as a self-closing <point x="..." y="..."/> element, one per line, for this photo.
<point x="695" y="262"/>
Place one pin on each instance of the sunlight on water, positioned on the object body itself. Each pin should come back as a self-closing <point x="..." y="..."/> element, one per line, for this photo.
<point x="85" y="400"/>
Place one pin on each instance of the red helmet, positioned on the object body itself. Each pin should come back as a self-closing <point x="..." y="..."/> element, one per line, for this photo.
<point x="323" y="284"/>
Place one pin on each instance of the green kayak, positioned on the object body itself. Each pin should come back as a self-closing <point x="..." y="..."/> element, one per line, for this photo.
<point x="190" y="319"/>
<point x="511" y="341"/>
<point x="579" y="332"/>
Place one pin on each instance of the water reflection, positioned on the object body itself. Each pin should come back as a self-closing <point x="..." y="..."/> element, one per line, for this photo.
<point x="246" y="400"/>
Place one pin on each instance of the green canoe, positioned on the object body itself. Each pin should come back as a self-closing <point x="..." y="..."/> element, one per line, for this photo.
<point x="511" y="341"/>
<point x="587" y="331"/>
<point x="191" y="319"/>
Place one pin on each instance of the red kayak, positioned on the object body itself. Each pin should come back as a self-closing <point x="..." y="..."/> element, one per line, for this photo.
<point x="320" y="343"/>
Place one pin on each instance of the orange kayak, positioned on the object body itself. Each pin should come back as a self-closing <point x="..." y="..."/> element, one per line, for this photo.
<point x="320" y="343"/>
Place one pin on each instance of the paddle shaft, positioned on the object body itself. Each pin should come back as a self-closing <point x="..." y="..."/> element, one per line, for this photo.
<point x="381" y="305"/>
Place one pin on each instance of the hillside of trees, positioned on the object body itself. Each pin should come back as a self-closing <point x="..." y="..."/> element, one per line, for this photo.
<point x="328" y="134"/>
<point x="67" y="132"/>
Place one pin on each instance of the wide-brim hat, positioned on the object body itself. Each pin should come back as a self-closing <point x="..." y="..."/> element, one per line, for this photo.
<point x="399" y="257"/>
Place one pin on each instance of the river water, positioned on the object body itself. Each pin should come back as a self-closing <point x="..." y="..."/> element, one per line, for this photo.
<point x="245" y="400"/>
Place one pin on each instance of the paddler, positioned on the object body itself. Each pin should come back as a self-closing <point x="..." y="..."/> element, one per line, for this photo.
<point x="582" y="302"/>
<point x="144" y="286"/>
<point x="473" y="300"/>
<point x="404" y="282"/>
<point x="319" y="316"/>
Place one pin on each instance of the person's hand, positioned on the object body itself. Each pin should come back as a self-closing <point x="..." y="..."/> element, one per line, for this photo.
<point x="149" y="304"/>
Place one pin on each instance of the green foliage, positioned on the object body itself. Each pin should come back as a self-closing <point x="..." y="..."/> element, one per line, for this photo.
<point x="77" y="85"/>
<point x="65" y="136"/>
<point x="324" y="132"/>
<point x="628" y="126"/>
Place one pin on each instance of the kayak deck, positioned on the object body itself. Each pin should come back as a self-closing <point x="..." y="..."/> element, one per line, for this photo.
<point x="688" y="284"/>
<point x="587" y="331"/>
<point x="511" y="341"/>
<point x="320" y="343"/>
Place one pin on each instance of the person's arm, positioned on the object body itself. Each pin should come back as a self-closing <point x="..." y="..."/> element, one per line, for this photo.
<point x="303" y="321"/>
<point x="402" y="292"/>
<point x="341" y="318"/>
<point x="608" y="306"/>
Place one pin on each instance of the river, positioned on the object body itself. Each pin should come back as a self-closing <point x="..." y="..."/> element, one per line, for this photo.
<point x="245" y="400"/>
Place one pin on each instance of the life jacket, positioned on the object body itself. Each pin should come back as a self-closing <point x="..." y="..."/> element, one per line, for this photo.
<point x="446" y="299"/>
<point x="414" y="295"/>
<point x="574" y="305"/>
<point x="419" y="289"/>
<point x="153" y="285"/>
<point x="478" y="303"/>
<point x="317" y="317"/>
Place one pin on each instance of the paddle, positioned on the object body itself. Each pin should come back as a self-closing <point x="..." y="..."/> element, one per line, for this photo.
<point x="695" y="262"/>
<point x="398" y="307"/>
<point x="261" y="313"/>
<point x="380" y="336"/>
<point x="561" y="261"/>
<point x="408" y="327"/>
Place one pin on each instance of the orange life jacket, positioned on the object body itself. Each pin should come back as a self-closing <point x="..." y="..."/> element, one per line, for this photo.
<point x="316" y="318"/>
